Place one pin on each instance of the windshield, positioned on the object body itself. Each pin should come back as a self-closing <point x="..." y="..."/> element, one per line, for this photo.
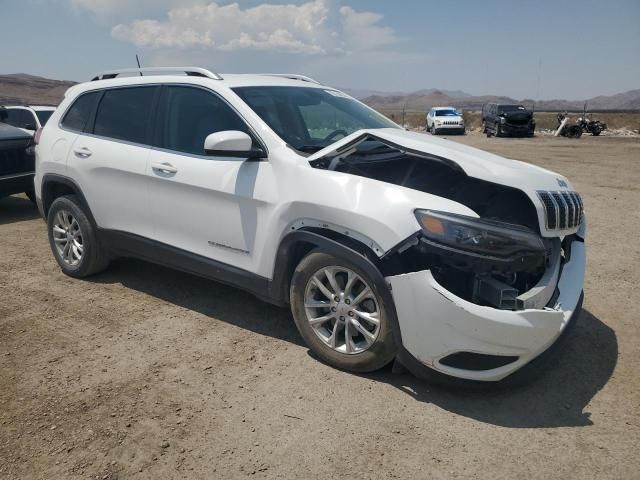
<point x="43" y="116"/>
<point x="447" y="113"/>
<point x="310" y="119"/>
<point x="510" y="108"/>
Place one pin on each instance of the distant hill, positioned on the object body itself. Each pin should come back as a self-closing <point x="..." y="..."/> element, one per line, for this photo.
<point x="361" y="94"/>
<point x="29" y="89"/>
<point x="424" y="100"/>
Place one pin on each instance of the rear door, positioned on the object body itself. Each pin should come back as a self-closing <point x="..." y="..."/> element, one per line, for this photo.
<point x="109" y="159"/>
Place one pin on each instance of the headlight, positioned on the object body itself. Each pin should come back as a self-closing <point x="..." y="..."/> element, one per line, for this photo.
<point x="502" y="120"/>
<point x="438" y="122"/>
<point x="478" y="236"/>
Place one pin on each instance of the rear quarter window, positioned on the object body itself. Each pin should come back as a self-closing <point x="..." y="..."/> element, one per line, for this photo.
<point x="80" y="112"/>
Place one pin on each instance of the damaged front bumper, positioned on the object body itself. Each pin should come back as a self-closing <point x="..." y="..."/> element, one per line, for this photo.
<point x="456" y="337"/>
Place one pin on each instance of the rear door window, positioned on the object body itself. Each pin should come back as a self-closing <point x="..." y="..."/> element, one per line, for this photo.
<point x="125" y="113"/>
<point x="77" y="117"/>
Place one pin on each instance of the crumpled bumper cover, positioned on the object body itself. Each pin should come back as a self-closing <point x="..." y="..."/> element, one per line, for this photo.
<point x="435" y="323"/>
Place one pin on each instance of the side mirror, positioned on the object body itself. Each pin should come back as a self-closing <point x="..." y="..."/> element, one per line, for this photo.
<point x="231" y="143"/>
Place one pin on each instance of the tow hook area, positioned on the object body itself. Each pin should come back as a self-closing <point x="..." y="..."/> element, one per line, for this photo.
<point x="493" y="292"/>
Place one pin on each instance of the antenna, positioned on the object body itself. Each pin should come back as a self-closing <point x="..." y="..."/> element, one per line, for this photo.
<point x="138" y="61"/>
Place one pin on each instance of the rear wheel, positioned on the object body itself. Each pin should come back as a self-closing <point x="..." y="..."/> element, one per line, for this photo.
<point x="73" y="239"/>
<point x="339" y="313"/>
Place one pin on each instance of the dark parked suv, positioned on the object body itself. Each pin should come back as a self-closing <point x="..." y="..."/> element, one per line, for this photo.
<point x="17" y="161"/>
<point x="507" y="120"/>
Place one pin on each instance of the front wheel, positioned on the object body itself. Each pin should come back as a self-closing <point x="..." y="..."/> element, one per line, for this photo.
<point x="498" y="130"/>
<point x="339" y="312"/>
<point x="433" y="129"/>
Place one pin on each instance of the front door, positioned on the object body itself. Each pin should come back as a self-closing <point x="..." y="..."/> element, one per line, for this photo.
<point x="205" y="205"/>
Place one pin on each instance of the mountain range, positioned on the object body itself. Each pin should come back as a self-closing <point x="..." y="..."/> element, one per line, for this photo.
<point x="21" y="88"/>
<point x="425" y="99"/>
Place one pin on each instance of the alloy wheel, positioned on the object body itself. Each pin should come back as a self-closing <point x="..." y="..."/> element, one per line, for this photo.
<point x="342" y="309"/>
<point x="67" y="237"/>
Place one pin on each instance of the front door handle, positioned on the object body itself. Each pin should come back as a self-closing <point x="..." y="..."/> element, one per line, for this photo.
<point x="83" y="152"/>
<point x="164" y="167"/>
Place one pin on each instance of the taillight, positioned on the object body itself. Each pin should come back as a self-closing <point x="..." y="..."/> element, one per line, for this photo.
<point x="36" y="136"/>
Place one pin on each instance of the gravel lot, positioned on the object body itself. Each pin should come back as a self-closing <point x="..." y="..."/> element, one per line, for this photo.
<point x="143" y="372"/>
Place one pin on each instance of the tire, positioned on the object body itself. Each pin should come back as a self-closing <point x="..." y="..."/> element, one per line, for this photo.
<point x="575" y="132"/>
<point x="498" y="130"/>
<point x="433" y="129"/>
<point x="367" y="354"/>
<point x="484" y="127"/>
<point x="596" y="133"/>
<point x="81" y="255"/>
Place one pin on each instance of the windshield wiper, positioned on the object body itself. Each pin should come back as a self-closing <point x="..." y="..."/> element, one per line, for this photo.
<point x="310" y="148"/>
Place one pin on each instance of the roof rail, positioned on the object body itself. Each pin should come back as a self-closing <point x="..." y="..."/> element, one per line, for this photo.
<point x="292" y="76"/>
<point x="189" y="71"/>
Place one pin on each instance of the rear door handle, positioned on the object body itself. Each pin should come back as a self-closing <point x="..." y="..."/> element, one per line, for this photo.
<point x="83" y="152"/>
<point x="164" y="167"/>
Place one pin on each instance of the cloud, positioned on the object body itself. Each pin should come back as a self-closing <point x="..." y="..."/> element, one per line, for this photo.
<point x="308" y="29"/>
<point x="362" y="30"/>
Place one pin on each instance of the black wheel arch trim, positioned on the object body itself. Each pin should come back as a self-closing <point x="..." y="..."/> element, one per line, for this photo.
<point x="50" y="178"/>
<point x="279" y="286"/>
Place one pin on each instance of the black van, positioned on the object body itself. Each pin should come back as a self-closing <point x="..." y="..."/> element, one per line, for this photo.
<point x="502" y="119"/>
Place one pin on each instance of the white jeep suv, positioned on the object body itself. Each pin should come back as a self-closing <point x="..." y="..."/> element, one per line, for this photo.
<point x="444" y="120"/>
<point x="386" y="244"/>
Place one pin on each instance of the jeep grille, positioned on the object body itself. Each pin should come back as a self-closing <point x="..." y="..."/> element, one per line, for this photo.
<point x="562" y="210"/>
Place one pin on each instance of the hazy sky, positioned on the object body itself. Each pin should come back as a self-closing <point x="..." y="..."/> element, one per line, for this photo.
<point x="532" y="49"/>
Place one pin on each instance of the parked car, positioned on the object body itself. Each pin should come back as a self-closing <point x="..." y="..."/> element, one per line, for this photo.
<point x="17" y="160"/>
<point x="385" y="243"/>
<point x="444" y="120"/>
<point x="28" y="117"/>
<point x="507" y="120"/>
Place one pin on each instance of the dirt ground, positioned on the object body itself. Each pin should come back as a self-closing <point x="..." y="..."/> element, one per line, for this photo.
<point x="143" y="372"/>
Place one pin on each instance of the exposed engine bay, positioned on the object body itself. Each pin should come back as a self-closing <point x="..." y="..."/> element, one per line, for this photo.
<point x="483" y="279"/>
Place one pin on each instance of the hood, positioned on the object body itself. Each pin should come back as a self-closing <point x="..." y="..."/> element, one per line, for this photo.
<point x="474" y="162"/>
<point x="535" y="182"/>
<point x="517" y="115"/>
<point x="8" y="132"/>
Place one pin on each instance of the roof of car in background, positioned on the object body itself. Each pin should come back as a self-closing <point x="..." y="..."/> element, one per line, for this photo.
<point x="32" y="107"/>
